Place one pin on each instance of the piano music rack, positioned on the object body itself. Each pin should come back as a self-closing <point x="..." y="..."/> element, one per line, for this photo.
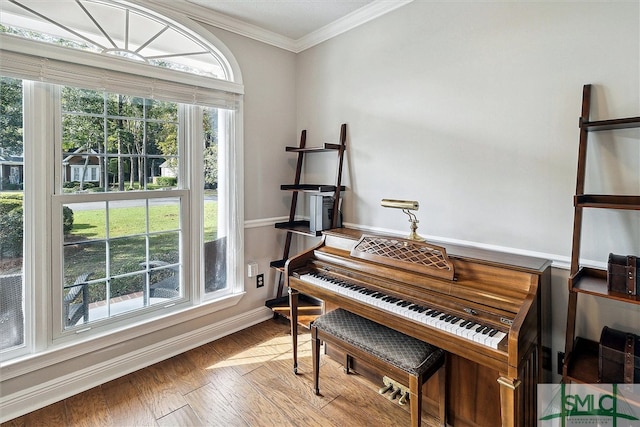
<point x="420" y="257"/>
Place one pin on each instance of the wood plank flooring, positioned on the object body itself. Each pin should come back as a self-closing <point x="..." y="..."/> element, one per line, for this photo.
<point x="244" y="379"/>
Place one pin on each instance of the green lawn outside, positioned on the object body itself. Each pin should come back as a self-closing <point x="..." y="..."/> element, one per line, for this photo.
<point x="127" y="246"/>
<point x="129" y="221"/>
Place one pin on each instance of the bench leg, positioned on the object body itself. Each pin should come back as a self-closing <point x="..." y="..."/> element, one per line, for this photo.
<point x="415" y="400"/>
<point x="315" y="352"/>
<point x="347" y="363"/>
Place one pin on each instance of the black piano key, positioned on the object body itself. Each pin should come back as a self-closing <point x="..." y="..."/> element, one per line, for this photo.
<point x="493" y="332"/>
<point x="471" y="325"/>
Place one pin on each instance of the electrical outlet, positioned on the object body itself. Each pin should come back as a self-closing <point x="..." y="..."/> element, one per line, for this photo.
<point x="260" y="280"/>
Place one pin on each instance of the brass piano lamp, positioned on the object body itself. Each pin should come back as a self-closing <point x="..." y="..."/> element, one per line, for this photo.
<point x="406" y="206"/>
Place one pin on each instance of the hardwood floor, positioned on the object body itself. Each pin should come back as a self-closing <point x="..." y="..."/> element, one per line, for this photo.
<point x="244" y="379"/>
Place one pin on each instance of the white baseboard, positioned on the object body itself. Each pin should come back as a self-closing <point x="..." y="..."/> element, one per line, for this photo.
<point x="59" y="388"/>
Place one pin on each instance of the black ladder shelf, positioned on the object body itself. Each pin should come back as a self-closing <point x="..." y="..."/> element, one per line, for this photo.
<point x="581" y="355"/>
<point x="309" y="308"/>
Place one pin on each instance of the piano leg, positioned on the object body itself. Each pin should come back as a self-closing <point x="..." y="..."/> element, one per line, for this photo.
<point x="293" y="307"/>
<point x="509" y="396"/>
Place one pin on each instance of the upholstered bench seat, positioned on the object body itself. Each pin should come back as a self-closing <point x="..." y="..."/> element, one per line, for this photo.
<point x="377" y="344"/>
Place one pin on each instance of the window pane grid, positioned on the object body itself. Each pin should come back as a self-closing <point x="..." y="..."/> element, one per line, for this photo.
<point x="109" y="136"/>
<point x="125" y="253"/>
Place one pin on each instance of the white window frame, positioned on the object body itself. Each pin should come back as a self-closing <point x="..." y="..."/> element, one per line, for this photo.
<point x="42" y="301"/>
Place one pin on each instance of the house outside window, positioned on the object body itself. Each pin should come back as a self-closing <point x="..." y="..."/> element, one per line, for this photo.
<point x="128" y="242"/>
<point x="14" y="175"/>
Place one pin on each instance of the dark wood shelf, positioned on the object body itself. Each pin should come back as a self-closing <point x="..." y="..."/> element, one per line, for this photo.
<point x="299" y="227"/>
<point x="311" y="188"/>
<point x="593" y="281"/>
<point x="582" y="363"/>
<point x="278" y="264"/>
<point x="595" y="126"/>
<point x="581" y="355"/>
<point x="607" y="201"/>
<point x="324" y="148"/>
<point x="303" y="227"/>
<point x="308" y="308"/>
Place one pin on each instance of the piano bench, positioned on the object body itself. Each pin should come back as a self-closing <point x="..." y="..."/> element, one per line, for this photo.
<point x="399" y="354"/>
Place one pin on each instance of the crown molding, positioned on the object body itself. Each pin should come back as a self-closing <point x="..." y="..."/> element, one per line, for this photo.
<point x="209" y="17"/>
<point x="348" y="22"/>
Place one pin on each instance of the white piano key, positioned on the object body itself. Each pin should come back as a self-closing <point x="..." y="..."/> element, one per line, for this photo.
<point x="439" y="321"/>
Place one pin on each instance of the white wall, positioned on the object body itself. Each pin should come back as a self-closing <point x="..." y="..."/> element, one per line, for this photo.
<point x="472" y="109"/>
<point x="269" y="126"/>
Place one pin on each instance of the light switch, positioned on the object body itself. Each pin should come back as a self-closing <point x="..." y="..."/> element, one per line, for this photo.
<point x="252" y="269"/>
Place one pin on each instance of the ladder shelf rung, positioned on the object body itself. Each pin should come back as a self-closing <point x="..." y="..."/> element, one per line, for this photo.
<point x="300" y="227"/>
<point x="278" y="264"/>
<point x="311" y="188"/>
<point x="325" y="147"/>
<point x="607" y="201"/>
<point x="598" y="125"/>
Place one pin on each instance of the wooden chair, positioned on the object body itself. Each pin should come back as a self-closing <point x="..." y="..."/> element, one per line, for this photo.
<point x="76" y="302"/>
<point x="167" y="287"/>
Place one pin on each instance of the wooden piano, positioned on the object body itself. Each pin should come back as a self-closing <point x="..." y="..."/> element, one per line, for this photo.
<point x="482" y="307"/>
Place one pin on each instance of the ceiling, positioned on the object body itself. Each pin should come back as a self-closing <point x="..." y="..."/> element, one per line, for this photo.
<point x="291" y="18"/>
<point x="291" y="24"/>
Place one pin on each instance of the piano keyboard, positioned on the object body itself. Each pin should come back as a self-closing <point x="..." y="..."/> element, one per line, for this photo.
<point x="465" y="328"/>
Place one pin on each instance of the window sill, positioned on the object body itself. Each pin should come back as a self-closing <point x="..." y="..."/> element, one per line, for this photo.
<point x="59" y="353"/>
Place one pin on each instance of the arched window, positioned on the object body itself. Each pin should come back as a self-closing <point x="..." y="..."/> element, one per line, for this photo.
<point x="115" y="28"/>
<point x="131" y="146"/>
